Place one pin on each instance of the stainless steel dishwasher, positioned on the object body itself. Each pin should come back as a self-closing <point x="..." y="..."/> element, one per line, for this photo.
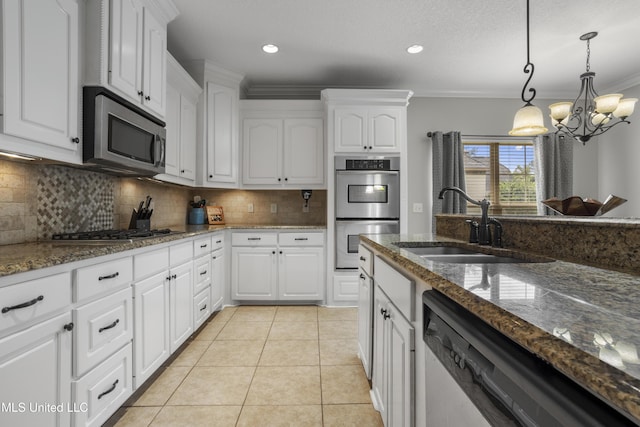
<point x="509" y="385"/>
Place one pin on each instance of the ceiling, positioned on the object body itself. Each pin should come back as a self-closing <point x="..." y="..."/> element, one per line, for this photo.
<point x="471" y="48"/>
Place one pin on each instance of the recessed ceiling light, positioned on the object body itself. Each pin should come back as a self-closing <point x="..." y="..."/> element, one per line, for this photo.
<point x="415" y="48"/>
<point x="270" y="48"/>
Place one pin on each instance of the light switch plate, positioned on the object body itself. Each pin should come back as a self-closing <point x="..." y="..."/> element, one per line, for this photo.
<point x="417" y="208"/>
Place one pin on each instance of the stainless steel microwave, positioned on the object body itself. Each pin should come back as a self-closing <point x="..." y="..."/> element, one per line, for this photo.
<point x="120" y="138"/>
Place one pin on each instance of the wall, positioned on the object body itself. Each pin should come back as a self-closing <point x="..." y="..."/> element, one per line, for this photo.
<point x="472" y="116"/>
<point x="289" y="206"/>
<point x="618" y="160"/>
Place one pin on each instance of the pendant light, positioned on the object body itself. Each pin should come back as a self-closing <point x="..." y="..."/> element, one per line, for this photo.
<point x="592" y="115"/>
<point x="528" y="120"/>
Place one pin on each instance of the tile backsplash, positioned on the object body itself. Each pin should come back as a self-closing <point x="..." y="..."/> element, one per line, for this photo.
<point x="38" y="200"/>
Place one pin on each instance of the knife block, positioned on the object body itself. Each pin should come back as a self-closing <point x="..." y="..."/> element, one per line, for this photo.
<point x="139" y="224"/>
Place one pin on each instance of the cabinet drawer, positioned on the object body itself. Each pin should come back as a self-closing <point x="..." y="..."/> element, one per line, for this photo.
<point x="102" y="278"/>
<point x="254" y="239"/>
<point x="399" y="289"/>
<point x="180" y="253"/>
<point x="365" y="260"/>
<point x="201" y="307"/>
<point x="202" y="277"/>
<point x="217" y="241"/>
<point x="101" y="327"/>
<point x="301" y="239"/>
<point x="102" y="391"/>
<point x="149" y="263"/>
<point x="28" y="301"/>
<point x="202" y="246"/>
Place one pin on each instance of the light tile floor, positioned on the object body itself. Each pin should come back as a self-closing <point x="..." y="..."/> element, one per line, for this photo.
<point x="262" y="366"/>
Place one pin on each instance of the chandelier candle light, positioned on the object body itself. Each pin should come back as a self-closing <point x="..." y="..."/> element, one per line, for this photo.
<point x="528" y="120"/>
<point x="592" y="115"/>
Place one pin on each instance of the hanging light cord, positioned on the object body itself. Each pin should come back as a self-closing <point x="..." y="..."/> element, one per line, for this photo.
<point x="588" y="54"/>
<point x="528" y="68"/>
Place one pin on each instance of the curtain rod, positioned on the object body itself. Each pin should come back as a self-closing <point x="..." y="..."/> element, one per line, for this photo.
<point x="511" y="138"/>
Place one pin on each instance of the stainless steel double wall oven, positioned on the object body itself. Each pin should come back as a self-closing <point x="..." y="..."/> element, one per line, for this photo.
<point x="367" y="202"/>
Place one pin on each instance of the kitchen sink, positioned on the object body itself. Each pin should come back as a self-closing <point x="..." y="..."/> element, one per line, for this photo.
<point x="459" y="255"/>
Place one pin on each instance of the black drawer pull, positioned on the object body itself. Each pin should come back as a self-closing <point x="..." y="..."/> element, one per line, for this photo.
<point x="111" y="326"/>
<point x="110" y="276"/>
<point x="215" y="257"/>
<point x="362" y="276"/>
<point x="203" y="246"/>
<point x="23" y="305"/>
<point x="203" y="273"/>
<point x="362" y="258"/>
<point x="204" y="308"/>
<point x="104" y="393"/>
<point x="218" y="242"/>
<point x="301" y="238"/>
<point x="254" y="238"/>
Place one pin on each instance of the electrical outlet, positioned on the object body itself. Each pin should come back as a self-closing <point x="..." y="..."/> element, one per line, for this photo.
<point x="274" y="208"/>
<point x="417" y="208"/>
<point x="250" y="208"/>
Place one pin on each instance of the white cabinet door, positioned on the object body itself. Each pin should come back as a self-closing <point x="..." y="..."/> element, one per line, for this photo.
<point x="187" y="139"/>
<point x="125" y="71"/>
<point x="218" y="279"/>
<point x="221" y="134"/>
<point x="154" y="65"/>
<point x="303" y="151"/>
<point x="365" y="329"/>
<point x="181" y="304"/>
<point x="262" y="146"/>
<point x="380" y="372"/>
<point x="35" y="368"/>
<point x="300" y="273"/>
<point x="41" y="71"/>
<point x="350" y="129"/>
<point x="384" y="131"/>
<point x="401" y="370"/>
<point x="254" y="273"/>
<point x="151" y="325"/>
<point x="174" y="108"/>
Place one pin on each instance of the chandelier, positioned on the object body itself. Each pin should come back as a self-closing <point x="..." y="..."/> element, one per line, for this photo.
<point x="528" y="120"/>
<point x="592" y="115"/>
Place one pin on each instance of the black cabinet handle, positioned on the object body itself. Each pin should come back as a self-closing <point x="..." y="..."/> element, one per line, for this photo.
<point x="203" y="273"/>
<point x="210" y="176"/>
<point x="204" y="308"/>
<point x="280" y="252"/>
<point x="273" y="252"/>
<point x="111" y="326"/>
<point x="203" y="246"/>
<point x="182" y="171"/>
<point x="110" y="276"/>
<point x="254" y="238"/>
<point x="362" y="258"/>
<point x="279" y="179"/>
<point x="68" y="327"/>
<point x="140" y="93"/>
<point x="75" y="140"/>
<point x="214" y="257"/>
<point x="362" y="276"/>
<point x="148" y="98"/>
<point x="385" y="313"/>
<point x="218" y="241"/>
<point x="23" y="305"/>
<point x="104" y="393"/>
<point x="286" y="179"/>
<point x="168" y="278"/>
<point x="301" y="238"/>
<point x="174" y="276"/>
<point x="370" y="148"/>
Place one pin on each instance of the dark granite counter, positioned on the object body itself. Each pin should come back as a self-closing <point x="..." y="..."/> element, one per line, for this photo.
<point x="583" y="320"/>
<point x="24" y="257"/>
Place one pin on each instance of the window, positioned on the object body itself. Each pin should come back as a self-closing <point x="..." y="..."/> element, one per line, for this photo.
<point x="503" y="173"/>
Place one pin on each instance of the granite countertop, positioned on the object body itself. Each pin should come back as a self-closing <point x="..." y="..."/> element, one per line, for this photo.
<point x="583" y="320"/>
<point x="24" y="257"/>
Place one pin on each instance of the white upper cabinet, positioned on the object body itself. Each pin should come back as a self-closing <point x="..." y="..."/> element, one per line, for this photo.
<point x="181" y="119"/>
<point x="41" y="82"/>
<point x="283" y="144"/>
<point x="127" y="49"/>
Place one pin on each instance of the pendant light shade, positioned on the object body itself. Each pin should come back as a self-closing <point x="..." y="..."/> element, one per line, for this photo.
<point x="528" y="122"/>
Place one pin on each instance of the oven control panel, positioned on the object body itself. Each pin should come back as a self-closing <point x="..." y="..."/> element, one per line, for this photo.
<point x="368" y="164"/>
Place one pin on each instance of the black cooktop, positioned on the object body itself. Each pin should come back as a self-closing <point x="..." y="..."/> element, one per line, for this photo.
<point x="108" y="236"/>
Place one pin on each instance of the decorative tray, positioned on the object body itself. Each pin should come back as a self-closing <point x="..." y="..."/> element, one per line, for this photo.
<point x="577" y="206"/>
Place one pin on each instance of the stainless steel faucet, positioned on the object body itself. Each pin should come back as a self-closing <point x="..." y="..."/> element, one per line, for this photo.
<point x="484" y="233"/>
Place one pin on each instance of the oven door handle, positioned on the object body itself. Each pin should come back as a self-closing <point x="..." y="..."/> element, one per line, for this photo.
<point x="365" y="172"/>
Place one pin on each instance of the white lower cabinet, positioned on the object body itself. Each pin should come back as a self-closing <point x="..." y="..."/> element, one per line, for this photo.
<point x="181" y="304"/>
<point x="277" y="266"/>
<point x="365" y="321"/>
<point x="151" y="332"/>
<point x="218" y="278"/>
<point x="100" y="393"/>
<point x="201" y="308"/>
<point x="393" y="373"/>
<point x="35" y="372"/>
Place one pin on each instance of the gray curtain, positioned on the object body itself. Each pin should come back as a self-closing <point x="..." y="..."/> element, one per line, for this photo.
<point x="553" y="156"/>
<point x="448" y="171"/>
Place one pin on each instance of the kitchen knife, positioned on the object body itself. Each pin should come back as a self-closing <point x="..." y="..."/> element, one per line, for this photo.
<point x="139" y="211"/>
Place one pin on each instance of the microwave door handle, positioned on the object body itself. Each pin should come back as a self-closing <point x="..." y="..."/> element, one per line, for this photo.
<point x="159" y="145"/>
